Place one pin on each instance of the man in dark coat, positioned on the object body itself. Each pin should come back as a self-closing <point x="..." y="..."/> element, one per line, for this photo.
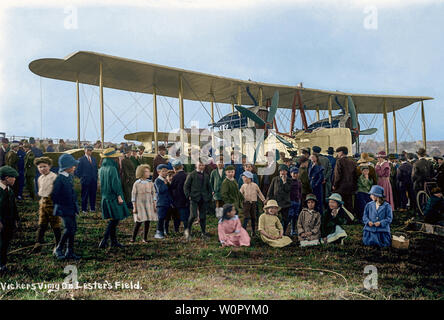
<point x="422" y="171"/>
<point x="127" y="176"/>
<point x="12" y="160"/>
<point x="9" y="218"/>
<point x="3" y="151"/>
<point x="37" y="153"/>
<point x="440" y="172"/>
<point x="405" y="184"/>
<point x="180" y="201"/>
<point x="29" y="171"/>
<point x="87" y="172"/>
<point x="345" y="178"/>
<point x="198" y="190"/>
<point x="159" y="159"/>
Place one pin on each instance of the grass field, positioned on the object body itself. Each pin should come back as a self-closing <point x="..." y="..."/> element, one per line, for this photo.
<point x="201" y="269"/>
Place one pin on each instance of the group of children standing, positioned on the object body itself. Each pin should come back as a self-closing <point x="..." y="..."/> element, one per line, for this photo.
<point x="183" y="197"/>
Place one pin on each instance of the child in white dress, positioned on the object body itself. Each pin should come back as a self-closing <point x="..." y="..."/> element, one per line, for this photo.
<point x="143" y="199"/>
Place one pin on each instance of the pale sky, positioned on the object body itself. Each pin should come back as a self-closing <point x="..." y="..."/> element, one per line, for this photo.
<point x="324" y="44"/>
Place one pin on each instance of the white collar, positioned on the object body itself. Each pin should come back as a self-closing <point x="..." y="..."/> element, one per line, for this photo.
<point x="64" y="173"/>
<point x="2" y="186"/>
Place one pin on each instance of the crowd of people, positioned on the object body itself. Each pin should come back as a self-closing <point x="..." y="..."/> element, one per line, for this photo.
<point x="307" y="199"/>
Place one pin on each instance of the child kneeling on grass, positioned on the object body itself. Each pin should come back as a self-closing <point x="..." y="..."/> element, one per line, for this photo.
<point x="377" y="219"/>
<point x="309" y="223"/>
<point x="230" y="231"/>
<point x="270" y="226"/>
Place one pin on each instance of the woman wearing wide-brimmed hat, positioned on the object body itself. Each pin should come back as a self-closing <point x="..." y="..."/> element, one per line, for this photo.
<point x="113" y="206"/>
<point x="383" y="171"/>
<point x="377" y="218"/>
<point x="270" y="226"/>
<point x="333" y="218"/>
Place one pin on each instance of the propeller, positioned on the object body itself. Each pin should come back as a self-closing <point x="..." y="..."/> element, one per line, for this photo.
<point x="354" y="120"/>
<point x="265" y="125"/>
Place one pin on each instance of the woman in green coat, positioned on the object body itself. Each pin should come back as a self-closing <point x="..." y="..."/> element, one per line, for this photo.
<point x="113" y="206"/>
<point x="217" y="176"/>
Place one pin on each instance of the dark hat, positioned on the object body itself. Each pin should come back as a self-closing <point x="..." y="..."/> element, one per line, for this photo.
<point x="67" y="161"/>
<point x="316" y="149"/>
<point x="342" y="149"/>
<point x="421" y="152"/>
<point x="283" y="167"/>
<point x="31" y="140"/>
<point x="330" y="150"/>
<point x="402" y="157"/>
<point x="89" y="147"/>
<point x="393" y="156"/>
<point x="162" y="147"/>
<point x="7" y="171"/>
<point x="40" y="160"/>
<point x="5" y="140"/>
<point x="230" y="167"/>
<point x="306" y="150"/>
<point x="294" y="169"/>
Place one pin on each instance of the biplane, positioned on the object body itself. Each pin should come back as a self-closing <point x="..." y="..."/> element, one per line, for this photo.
<point x="252" y="103"/>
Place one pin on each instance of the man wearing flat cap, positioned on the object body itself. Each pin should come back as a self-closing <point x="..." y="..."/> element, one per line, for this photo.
<point x="345" y="180"/>
<point x="160" y="159"/>
<point x="87" y="172"/>
<point x="12" y="160"/>
<point x="9" y="217"/>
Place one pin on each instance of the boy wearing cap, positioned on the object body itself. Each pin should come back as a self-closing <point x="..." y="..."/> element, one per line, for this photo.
<point x="198" y="190"/>
<point x="9" y="218"/>
<point x="229" y="189"/>
<point x="250" y="191"/>
<point x="295" y="199"/>
<point x="65" y="205"/>
<point x="164" y="199"/>
<point x="217" y="176"/>
<point x="87" y="172"/>
<point x="30" y="170"/>
<point x="279" y="190"/>
<point x="309" y="223"/>
<point x="248" y="167"/>
<point x="46" y="207"/>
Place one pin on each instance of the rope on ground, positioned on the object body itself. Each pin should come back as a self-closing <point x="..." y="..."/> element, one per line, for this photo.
<point x="285" y="268"/>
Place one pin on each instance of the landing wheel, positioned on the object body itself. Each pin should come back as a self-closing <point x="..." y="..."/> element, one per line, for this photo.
<point x="421" y="199"/>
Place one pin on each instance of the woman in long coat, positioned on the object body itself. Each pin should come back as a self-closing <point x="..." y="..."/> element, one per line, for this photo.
<point x="316" y="176"/>
<point x="383" y="172"/>
<point x="113" y="206"/>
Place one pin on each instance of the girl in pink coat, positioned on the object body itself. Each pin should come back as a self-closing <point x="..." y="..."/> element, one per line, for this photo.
<point x="382" y="169"/>
<point x="230" y="229"/>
